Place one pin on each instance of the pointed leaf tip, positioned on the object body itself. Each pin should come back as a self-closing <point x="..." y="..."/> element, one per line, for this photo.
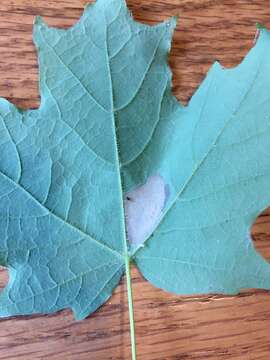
<point x="171" y="23"/>
<point x="174" y="20"/>
<point x="260" y="26"/>
<point x="261" y="33"/>
<point x="38" y="20"/>
<point x="177" y="16"/>
<point x="107" y="3"/>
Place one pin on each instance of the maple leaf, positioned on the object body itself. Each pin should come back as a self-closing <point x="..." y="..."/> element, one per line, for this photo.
<point x="112" y="169"/>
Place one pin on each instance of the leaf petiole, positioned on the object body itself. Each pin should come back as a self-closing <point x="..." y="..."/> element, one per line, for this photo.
<point x="130" y="307"/>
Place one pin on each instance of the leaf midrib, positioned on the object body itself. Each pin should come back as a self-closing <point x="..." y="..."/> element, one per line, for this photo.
<point x="116" y="149"/>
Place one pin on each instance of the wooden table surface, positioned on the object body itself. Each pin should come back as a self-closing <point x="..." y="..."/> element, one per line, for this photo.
<point x="168" y="327"/>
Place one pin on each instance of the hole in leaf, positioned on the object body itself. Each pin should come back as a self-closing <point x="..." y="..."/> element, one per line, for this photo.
<point x="260" y="232"/>
<point x="3" y="277"/>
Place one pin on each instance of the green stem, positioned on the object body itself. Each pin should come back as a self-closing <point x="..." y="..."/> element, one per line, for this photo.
<point x="130" y="309"/>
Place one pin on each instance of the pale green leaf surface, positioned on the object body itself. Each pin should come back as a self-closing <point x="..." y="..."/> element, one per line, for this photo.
<point x="214" y="155"/>
<point x="62" y="223"/>
<point x="107" y="122"/>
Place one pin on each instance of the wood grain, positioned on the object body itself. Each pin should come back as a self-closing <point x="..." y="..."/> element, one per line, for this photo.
<point x="168" y="327"/>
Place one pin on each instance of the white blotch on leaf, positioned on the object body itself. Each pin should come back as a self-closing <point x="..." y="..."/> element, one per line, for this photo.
<point x="143" y="208"/>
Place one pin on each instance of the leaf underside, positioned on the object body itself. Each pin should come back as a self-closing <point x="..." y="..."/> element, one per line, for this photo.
<point x="109" y="134"/>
